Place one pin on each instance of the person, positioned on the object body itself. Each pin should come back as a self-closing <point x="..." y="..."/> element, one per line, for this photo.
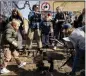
<point x="18" y="16"/>
<point x="10" y="45"/>
<point x="77" y="38"/>
<point x="2" y="27"/>
<point x="81" y="19"/>
<point x="59" y="20"/>
<point x="65" y="28"/>
<point x="47" y="29"/>
<point x="75" y="24"/>
<point x="71" y="17"/>
<point x="15" y="15"/>
<point x="34" y="29"/>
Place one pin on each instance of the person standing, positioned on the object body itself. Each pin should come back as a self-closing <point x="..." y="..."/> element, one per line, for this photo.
<point x="81" y="19"/>
<point x="47" y="29"/>
<point x="59" y="20"/>
<point x="34" y="28"/>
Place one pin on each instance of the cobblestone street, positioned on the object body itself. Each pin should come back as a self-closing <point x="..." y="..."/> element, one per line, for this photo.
<point x="30" y="68"/>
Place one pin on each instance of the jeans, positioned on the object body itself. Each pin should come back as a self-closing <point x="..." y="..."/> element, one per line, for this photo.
<point x="45" y="39"/>
<point x="79" y="54"/>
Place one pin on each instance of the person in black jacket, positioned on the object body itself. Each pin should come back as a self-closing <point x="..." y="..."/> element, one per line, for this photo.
<point x="59" y="20"/>
<point x="2" y="27"/>
<point x="81" y="18"/>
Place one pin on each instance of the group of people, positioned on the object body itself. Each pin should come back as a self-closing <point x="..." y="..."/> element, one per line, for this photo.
<point x="44" y="27"/>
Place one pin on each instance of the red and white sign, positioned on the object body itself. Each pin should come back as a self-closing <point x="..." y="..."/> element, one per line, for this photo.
<point x="45" y="6"/>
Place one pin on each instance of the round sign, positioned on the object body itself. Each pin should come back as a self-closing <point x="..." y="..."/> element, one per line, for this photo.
<point x="45" y="6"/>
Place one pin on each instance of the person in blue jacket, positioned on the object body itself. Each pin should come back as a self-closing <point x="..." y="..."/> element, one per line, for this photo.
<point x="47" y="28"/>
<point x="34" y="29"/>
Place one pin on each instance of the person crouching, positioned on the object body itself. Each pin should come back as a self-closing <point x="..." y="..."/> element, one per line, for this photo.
<point x="10" y="45"/>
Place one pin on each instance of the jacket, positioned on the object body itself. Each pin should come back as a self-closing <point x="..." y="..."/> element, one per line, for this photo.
<point x="9" y="36"/>
<point x="35" y="19"/>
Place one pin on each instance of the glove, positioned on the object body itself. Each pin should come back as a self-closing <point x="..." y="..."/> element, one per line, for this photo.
<point x="57" y="21"/>
<point x="15" y="44"/>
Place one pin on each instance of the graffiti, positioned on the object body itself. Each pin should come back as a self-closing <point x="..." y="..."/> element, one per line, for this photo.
<point x="26" y="3"/>
<point x="13" y="5"/>
<point x="6" y="7"/>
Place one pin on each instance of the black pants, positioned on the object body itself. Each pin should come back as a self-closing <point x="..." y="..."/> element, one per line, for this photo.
<point x="58" y="32"/>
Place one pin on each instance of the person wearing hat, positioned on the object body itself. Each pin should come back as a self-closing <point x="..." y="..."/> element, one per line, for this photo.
<point x="65" y="28"/>
<point x="77" y="38"/>
<point x="34" y="27"/>
<point x="10" y="45"/>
